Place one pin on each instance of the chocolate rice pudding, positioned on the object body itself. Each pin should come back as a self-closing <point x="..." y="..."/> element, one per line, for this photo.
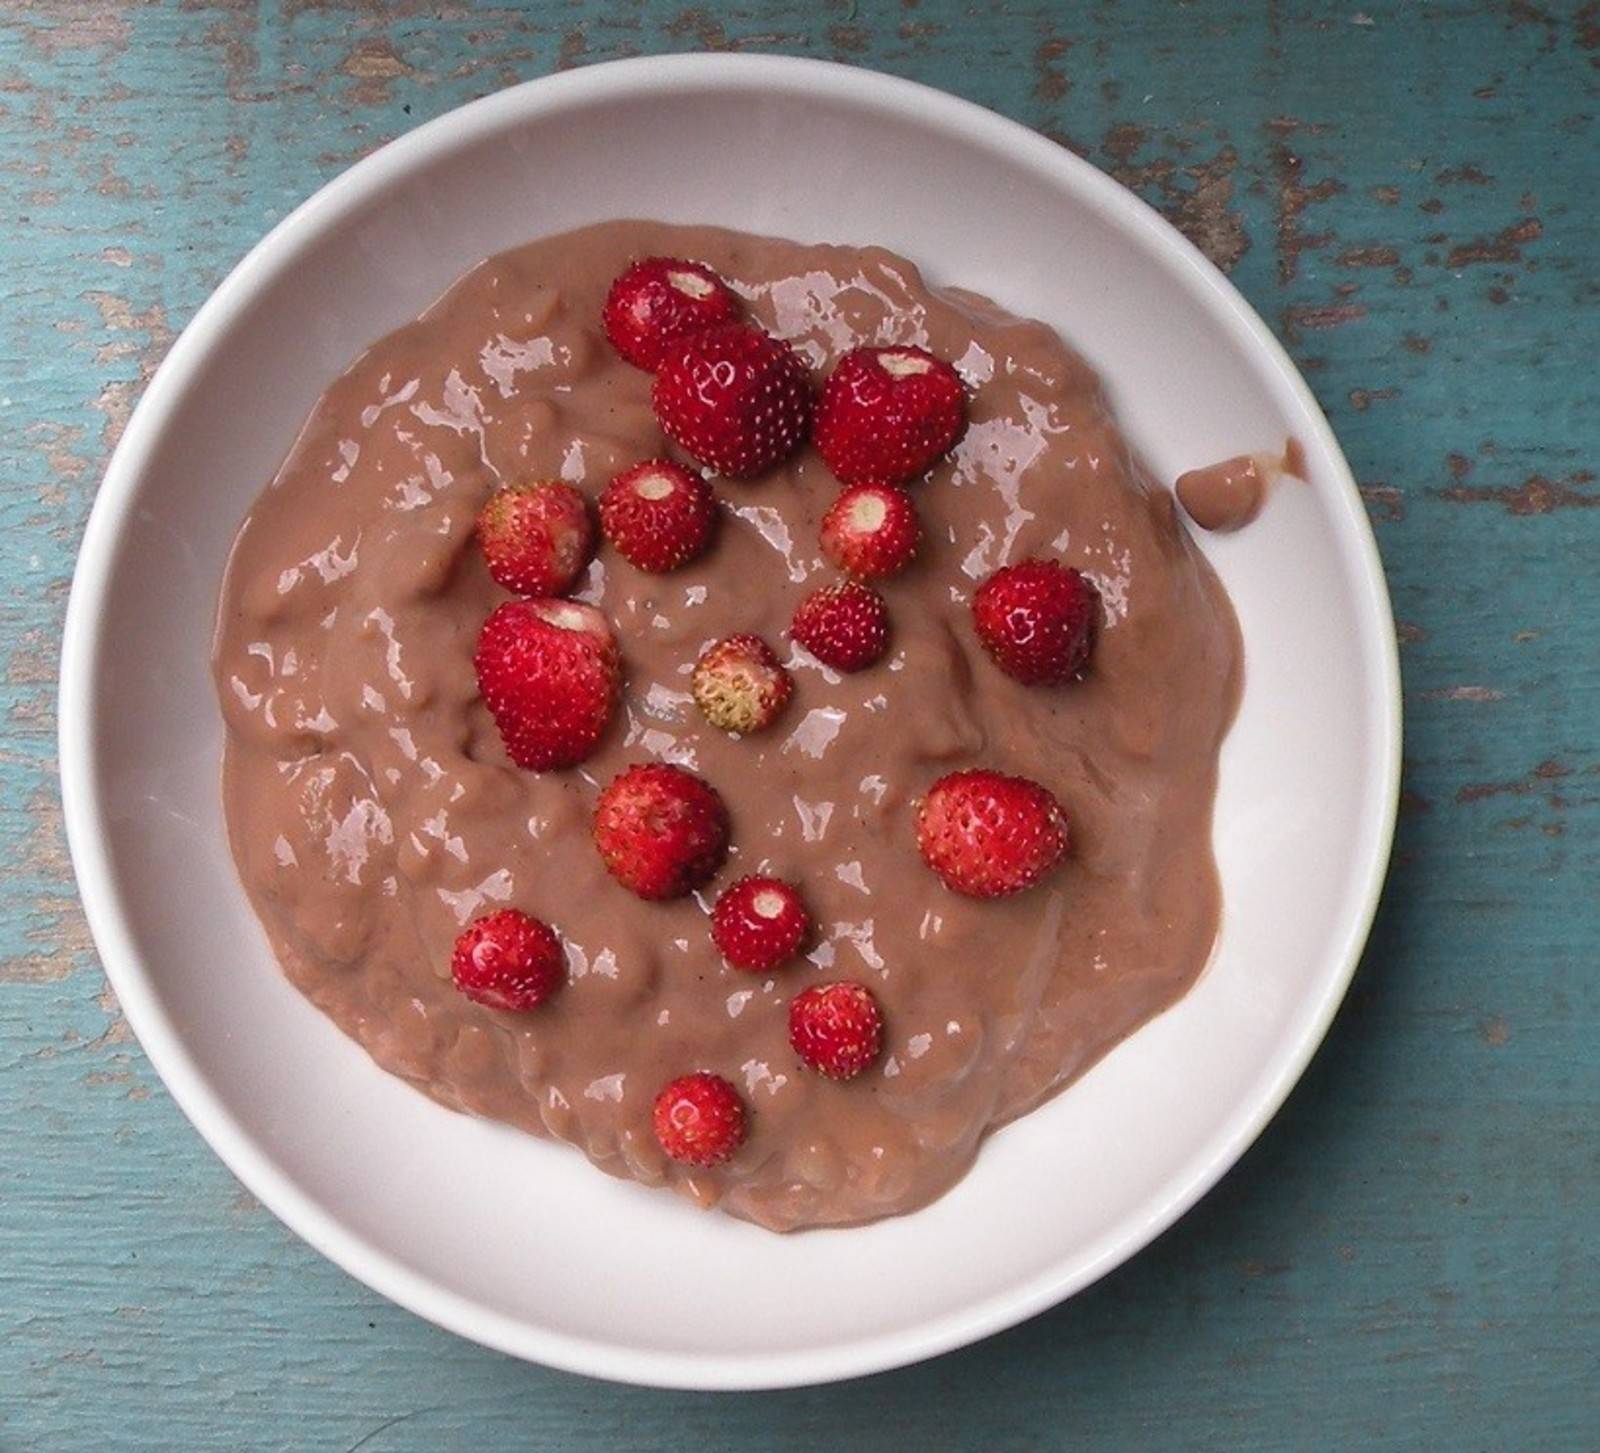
<point x="373" y="811"/>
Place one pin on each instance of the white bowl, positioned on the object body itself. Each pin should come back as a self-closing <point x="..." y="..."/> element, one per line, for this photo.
<point x="521" y="1244"/>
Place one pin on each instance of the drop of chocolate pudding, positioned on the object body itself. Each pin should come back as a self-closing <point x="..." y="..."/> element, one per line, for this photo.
<point x="1228" y="496"/>
<point x="373" y="811"/>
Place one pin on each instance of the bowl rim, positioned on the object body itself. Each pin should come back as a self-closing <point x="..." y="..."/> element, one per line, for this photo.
<point x="82" y="644"/>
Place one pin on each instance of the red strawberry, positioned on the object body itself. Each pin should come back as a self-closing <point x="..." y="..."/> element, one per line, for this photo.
<point x="759" y="923"/>
<point x="740" y="685"/>
<point x="1038" y="620"/>
<point x="507" y="960"/>
<point x="737" y="400"/>
<point x="837" y="1029"/>
<point x="660" y="300"/>
<point x="658" y="515"/>
<point x="845" y="626"/>
<point x="699" y="1119"/>
<point x="886" y="414"/>
<point x="536" y="537"/>
<point x="661" y="830"/>
<point x="548" y="671"/>
<point x="987" y="835"/>
<point x="871" y="530"/>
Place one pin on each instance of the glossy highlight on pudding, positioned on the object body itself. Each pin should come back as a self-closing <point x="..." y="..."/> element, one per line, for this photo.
<point x="374" y="811"/>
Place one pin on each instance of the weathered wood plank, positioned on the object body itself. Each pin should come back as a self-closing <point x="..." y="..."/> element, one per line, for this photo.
<point x="1406" y="192"/>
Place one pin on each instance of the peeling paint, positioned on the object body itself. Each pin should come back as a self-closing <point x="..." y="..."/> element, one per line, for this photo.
<point x="1294" y="197"/>
<point x="1051" y="82"/>
<point x="700" y="26"/>
<point x="1586" y="27"/>
<point x="1384" y="502"/>
<point x="1536" y="495"/>
<point x="1538" y="780"/>
<point x="375" y="65"/>
<point x="1505" y="246"/>
<point x="1196" y="196"/>
<point x="1362" y="399"/>
<point x="57" y="939"/>
<point x="1325" y="315"/>
<point x="1368" y="257"/>
<point x="102" y="28"/>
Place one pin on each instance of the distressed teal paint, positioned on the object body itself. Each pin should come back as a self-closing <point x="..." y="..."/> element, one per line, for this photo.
<point x="1407" y="1259"/>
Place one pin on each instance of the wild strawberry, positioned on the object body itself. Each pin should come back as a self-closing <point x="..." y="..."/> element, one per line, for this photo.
<point x="536" y="537"/>
<point x="507" y="960"/>
<point x="1038" y="620"/>
<point x="759" y="923"/>
<point x="871" y="530"/>
<point x="837" y="1029"/>
<point x="988" y="835"/>
<point x="661" y="830"/>
<point x="660" y="300"/>
<point x="699" y="1119"/>
<point x="845" y="626"/>
<point x="740" y="684"/>
<point x="737" y="400"/>
<point x="658" y="515"/>
<point x="886" y="414"/>
<point x="548" y="672"/>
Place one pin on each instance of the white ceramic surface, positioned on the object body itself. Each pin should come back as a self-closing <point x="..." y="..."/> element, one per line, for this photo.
<point x="521" y="1244"/>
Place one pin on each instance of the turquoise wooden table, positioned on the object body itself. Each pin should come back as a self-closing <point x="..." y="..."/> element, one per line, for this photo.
<point x="1408" y="1258"/>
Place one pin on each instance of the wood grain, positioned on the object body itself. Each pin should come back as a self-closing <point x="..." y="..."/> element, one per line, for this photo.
<point x="1408" y="1258"/>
